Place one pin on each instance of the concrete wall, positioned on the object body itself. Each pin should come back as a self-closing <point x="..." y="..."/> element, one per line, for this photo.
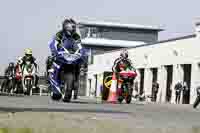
<point x="174" y="52"/>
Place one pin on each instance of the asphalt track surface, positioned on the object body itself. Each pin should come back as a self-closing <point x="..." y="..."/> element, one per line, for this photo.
<point x="134" y="115"/>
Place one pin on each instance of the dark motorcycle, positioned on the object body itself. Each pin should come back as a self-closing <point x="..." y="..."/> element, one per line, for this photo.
<point x="8" y="83"/>
<point x="125" y="91"/>
<point x="197" y="101"/>
<point x="62" y="78"/>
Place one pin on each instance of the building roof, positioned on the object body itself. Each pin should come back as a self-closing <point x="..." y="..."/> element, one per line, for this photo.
<point x="119" y="25"/>
<point x="110" y="43"/>
<point x="156" y="43"/>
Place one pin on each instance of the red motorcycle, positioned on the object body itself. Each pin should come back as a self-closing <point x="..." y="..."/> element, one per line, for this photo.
<point x="18" y="80"/>
<point x="28" y="78"/>
<point x="125" y="84"/>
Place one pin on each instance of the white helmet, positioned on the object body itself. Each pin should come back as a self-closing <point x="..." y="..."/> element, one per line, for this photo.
<point x="19" y="60"/>
<point x="124" y="53"/>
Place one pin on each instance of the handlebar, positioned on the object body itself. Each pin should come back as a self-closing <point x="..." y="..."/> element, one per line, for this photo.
<point x="67" y="52"/>
<point x="63" y="52"/>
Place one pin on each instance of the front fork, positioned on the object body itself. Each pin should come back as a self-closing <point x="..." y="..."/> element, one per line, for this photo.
<point x="55" y="68"/>
<point x="55" y="82"/>
<point x="124" y="89"/>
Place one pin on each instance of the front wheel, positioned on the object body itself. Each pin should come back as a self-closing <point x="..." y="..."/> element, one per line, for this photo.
<point x="10" y="86"/>
<point x="75" y="94"/>
<point x="19" y="87"/>
<point x="120" y="95"/>
<point x="55" y="97"/>
<point x="68" y="85"/>
<point x="28" y="86"/>
<point x="4" y="86"/>
<point x="120" y="99"/>
<point x="128" y="99"/>
<point x="196" y="103"/>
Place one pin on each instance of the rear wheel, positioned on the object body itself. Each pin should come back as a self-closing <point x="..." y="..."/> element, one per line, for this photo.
<point x="68" y="85"/>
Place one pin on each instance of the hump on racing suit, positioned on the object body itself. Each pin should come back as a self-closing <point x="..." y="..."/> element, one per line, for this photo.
<point x="122" y="64"/>
<point x="60" y="40"/>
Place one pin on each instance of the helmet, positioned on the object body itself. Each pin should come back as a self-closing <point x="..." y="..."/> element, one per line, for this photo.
<point x="124" y="54"/>
<point x="28" y="51"/>
<point x="19" y="60"/>
<point x="69" y="26"/>
<point x="11" y="64"/>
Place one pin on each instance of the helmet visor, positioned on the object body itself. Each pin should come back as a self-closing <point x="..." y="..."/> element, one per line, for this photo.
<point x="68" y="27"/>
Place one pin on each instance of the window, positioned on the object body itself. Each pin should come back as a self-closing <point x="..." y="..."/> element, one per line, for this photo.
<point x="90" y="57"/>
<point x="93" y="32"/>
<point x="94" y="35"/>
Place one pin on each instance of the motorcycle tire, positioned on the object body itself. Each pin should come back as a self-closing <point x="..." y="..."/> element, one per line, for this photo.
<point x="196" y="103"/>
<point x="128" y="99"/>
<point x="29" y="87"/>
<point x="120" y="99"/>
<point x="75" y="95"/>
<point x="10" y="86"/>
<point x="68" y="85"/>
<point x="3" y="86"/>
<point x="55" y="97"/>
<point x="19" y="88"/>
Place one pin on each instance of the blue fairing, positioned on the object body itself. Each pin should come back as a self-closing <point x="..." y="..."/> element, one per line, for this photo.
<point x="53" y="47"/>
<point x="79" y="60"/>
<point x="61" y="59"/>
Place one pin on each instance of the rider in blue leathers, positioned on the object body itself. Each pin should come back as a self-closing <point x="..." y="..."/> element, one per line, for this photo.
<point x="69" y="39"/>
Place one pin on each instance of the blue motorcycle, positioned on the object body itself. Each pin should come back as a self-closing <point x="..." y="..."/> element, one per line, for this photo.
<point x="63" y="75"/>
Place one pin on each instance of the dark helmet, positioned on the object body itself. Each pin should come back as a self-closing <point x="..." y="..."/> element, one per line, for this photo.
<point x="69" y="26"/>
<point x="11" y="65"/>
<point x="124" y="54"/>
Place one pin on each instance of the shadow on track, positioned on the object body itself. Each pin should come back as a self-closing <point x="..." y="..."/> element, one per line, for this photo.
<point x="14" y="109"/>
<point x="13" y="95"/>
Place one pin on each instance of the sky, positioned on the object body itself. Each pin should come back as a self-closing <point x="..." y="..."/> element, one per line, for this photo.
<point x="32" y="23"/>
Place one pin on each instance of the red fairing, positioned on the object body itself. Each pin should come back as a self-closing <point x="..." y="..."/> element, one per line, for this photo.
<point x="18" y="73"/>
<point x="18" y="76"/>
<point x="131" y="74"/>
